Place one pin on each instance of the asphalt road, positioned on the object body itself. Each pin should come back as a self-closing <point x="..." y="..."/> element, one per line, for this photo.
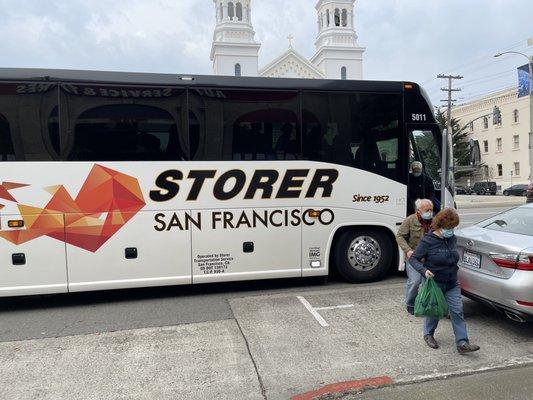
<point x="95" y="312"/>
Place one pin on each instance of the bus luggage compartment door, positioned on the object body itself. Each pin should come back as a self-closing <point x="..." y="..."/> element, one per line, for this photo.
<point x="32" y="254"/>
<point x="126" y="250"/>
<point x="245" y="244"/>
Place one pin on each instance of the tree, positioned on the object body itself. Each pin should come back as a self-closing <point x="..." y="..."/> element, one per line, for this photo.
<point x="461" y="146"/>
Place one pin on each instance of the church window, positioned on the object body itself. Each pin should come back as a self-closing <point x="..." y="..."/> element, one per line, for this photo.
<point x="327" y="17"/>
<point x="221" y="11"/>
<point x="231" y="10"/>
<point x="239" y="11"/>
<point x="344" y="17"/>
<point x="343" y="73"/>
<point x="337" y="17"/>
<point x="238" y="71"/>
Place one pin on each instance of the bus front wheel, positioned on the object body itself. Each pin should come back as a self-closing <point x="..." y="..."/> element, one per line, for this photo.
<point x="363" y="255"/>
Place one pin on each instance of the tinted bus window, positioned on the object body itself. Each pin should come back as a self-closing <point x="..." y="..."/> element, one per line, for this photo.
<point x="245" y="125"/>
<point x="24" y="121"/>
<point x="6" y="144"/>
<point x="359" y="130"/>
<point x="108" y="123"/>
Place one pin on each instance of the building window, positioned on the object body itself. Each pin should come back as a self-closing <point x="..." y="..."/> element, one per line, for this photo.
<point x="486" y="146"/>
<point x="471" y="126"/>
<point x="239" y="11"/>
<point x="485" y="123"/>
<point x="516" y="116"/>
<point x="500" y="169"/>
<point x="516" y="142"/>
<point x="231" y="10"/>
<point x="516" y="169"/>
<point x="238" y="71"/>
<point x="499" y="145"/>
<point x="343" y="73"/>
<point x="221" y="11"/>
<point x="328" y="17"/>
<point x="337" y="17"/>
<point x="344" y="17"/>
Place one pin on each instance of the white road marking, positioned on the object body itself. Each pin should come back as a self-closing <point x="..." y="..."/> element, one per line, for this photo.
<point x="334" y="307"/>
<point x="315" y="313"/>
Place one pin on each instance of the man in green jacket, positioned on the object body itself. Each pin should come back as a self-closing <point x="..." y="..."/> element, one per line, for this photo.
<point x="408" y="237"/>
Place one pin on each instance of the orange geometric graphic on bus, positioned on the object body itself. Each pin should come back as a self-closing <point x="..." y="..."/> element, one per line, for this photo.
<point x="5" y="187"/>
<point x="107" y="200"/>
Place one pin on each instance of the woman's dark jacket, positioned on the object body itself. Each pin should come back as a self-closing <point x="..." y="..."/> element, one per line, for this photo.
<point x="440" y="256"/>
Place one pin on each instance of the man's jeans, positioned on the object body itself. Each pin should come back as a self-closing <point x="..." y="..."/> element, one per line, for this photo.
<point x="455" y="305"/>
<point x="411" y="286"/>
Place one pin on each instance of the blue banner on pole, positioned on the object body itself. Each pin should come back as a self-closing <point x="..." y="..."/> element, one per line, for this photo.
<point x="524" y="81"/>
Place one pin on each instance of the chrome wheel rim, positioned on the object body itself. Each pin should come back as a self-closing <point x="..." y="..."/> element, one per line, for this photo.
<point x="364" y="253"/>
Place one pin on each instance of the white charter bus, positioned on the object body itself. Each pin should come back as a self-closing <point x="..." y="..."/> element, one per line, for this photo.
<point x="120" y="180"/>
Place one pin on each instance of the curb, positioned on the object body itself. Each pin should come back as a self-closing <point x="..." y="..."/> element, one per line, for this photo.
<point x="342" y="387"/>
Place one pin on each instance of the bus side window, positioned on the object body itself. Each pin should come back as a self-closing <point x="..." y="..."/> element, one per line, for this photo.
<point x="7" y="152"/>
<point x="125" y="132"/>
<point x="244" y="125"/>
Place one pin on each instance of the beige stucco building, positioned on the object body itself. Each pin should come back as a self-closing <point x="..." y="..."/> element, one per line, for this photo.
<point x="504" y="147"/>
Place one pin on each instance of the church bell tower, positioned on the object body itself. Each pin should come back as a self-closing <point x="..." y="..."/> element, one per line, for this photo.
<point x="234" y="51"/>
<point x="338" y="54"/>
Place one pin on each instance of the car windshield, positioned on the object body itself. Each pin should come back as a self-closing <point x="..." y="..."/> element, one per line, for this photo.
<point x="518" y="220"/>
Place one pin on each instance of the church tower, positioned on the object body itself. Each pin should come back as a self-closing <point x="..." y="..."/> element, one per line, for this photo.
<point x="234" y="50"/>
<point x="338" y="55"/>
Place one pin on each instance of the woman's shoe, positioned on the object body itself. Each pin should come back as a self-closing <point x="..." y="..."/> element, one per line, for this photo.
<point x="467" y="348"/>
<point x="431" y="342"/>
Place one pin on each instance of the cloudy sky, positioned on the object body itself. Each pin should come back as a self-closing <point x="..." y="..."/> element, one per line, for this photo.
<point x="405" y="39"/>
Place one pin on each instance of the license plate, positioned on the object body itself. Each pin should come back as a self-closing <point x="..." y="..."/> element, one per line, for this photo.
<point x="472" y="260"/>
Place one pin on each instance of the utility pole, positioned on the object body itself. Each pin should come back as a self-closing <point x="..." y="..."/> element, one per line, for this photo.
<point x="450" y="90"/>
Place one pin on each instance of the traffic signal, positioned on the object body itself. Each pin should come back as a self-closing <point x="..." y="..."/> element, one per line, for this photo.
<point x="496" y="116"/>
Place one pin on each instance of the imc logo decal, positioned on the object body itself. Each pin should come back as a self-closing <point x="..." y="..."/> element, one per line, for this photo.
<point x="107" y="200"/>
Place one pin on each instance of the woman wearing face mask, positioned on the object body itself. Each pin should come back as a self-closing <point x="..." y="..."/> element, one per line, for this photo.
<point x="436" y="257"/>
<point x="408" y="237"/>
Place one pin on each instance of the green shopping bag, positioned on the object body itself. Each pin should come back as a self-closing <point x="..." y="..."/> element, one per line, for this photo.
<point x="430" y="301"/>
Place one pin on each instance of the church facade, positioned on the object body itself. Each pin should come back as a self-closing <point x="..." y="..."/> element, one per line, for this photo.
<point x="338" y="55"/>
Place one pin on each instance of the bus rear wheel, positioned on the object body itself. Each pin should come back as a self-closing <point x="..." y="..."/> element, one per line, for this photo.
<point x="363" y="255"/>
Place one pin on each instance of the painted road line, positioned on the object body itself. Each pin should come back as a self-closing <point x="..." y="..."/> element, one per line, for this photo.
<point x="334" y="307"/>
<point x="313" y="312"/>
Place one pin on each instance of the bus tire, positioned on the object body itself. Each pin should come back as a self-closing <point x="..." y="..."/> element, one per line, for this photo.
<point x="363" y="255"/>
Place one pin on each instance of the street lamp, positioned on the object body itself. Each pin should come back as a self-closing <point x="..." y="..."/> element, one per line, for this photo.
<point x="530" y="64"/>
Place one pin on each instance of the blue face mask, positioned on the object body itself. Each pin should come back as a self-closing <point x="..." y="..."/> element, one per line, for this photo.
<point x="428" y="215"/>
<point x="447" y="233"/>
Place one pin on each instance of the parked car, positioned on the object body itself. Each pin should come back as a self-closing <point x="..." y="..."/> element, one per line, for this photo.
<point x="516" y="190"/>
<point x="529" y="193"/>
<point x="484" y="188"/>
<point x="496" y="262"/>
<point x="460" y="190"/>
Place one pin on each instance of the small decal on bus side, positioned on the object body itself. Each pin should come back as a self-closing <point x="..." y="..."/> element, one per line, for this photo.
<point x="419" y="117"/>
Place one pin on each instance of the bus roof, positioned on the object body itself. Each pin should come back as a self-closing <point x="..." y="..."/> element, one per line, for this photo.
<point x="137" y="78"/>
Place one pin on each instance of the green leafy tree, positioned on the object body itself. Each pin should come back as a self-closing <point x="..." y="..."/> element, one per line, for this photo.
<point x="461" y="147"/>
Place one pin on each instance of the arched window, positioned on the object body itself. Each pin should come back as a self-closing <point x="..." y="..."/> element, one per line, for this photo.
<point x="343" y="73"/>
<point x="485" y="123"/>
<point x="6" y="144"/>
<point x="126" y="132"/>
<point x="516" y="116"/>
<point x="238" y="70"/>
<point x="239" y="11"/>
<point x="221" y="12"/>
<point x="327" y="17"/>
<point x="344" y="17"/>
<point x="231" y="10"/>
<point x="337" y="17"/>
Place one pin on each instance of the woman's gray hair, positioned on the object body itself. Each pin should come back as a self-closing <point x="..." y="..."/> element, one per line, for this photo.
<point x="420" y="202"/>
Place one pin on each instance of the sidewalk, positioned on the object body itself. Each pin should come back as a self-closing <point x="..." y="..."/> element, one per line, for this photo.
<point x="469" y="201"/>
<point x="276" y="348"/>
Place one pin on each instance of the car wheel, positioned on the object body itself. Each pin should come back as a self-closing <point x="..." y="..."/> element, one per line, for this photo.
<point x="363" y="255"/>
<point x="524" y="193"/>
<point x="505" y="193"/>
